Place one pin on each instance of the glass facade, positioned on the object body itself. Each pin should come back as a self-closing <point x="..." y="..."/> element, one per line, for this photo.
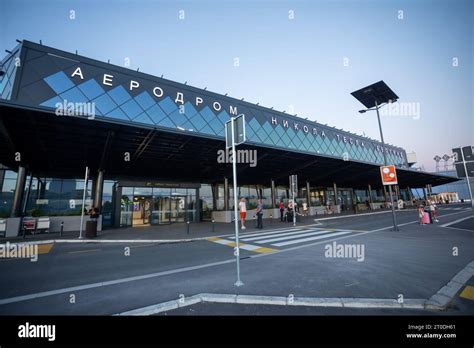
<point x="317" y="197"/>
<point x="206" y="202"/>
<point x="141" y="206"/>
<point x="56" y="197"/>
<point x="7" y="189"/>
<point x="9" y="66"/>
<point x="148" y="110"/>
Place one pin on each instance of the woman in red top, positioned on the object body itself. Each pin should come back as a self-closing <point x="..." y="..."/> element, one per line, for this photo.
<point x="282" y="210"/>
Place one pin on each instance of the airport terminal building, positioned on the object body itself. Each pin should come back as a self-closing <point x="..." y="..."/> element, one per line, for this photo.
<point x="153" y="145"/>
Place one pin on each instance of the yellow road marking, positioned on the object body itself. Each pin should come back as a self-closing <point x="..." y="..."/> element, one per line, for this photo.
<point x="265" y="250"/>
<point x="42" y="249"/>
<point x="83" y="251"/>
<point x="45" y="248"/>
<point x="248" y="247"/>
<point x="468" y="292"/>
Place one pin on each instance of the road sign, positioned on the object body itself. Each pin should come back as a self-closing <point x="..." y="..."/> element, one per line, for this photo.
<point x="446" y="158"/>
<point x="239" y="131"/>
<point x="464" y="160"/>
<point x="294" y="183"/>
<point x="389" y="175"/>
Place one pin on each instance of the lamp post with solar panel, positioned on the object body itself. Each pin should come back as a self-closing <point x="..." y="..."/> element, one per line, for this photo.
<point x="373" y="97"/>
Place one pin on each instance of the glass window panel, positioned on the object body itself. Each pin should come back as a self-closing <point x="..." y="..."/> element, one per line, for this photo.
<point x="104" y="103"/>
<point x="91" y="89"/>
<point x="74" y="95"/>
<point x="131" y="108"/>
<point x="119" y="95"/>
<point x="145" y="100"/>
<point x="142" y="191"/>
<point x="59" y="82"/>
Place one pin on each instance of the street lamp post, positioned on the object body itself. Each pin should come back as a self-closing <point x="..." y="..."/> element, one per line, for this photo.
<point x="394" y="217"/>
<point x="373" y="97"/>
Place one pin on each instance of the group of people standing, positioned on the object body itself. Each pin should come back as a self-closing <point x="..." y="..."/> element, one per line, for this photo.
<point x="258" y="212"/>
<point x="290" y="209"/>
<point x="425" y="210"/>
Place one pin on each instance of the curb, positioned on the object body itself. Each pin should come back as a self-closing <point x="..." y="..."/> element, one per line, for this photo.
<point x="442" y="299"/>
<point x="439" y="301"/>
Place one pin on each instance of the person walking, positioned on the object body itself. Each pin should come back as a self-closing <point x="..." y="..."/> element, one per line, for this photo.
<point x="289" y="211"/>
<point x="305" y="209"/>
<point x="421" y="212"/>
<point x="243" y="212"/>
<point x="281" y="206"/>
<point x="434" y="212"/>
<point x="259" y="211"/>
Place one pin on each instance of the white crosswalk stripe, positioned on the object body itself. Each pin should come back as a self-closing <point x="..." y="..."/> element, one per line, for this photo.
<point x="310" y="239"/>
<point x="245" y="235"/>
<point x="277" y="235"/>
<point x="284" y="237"/>
<point x="300" y="235"/>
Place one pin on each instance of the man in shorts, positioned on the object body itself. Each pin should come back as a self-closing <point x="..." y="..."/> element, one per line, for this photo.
<point x="243" y="212"/>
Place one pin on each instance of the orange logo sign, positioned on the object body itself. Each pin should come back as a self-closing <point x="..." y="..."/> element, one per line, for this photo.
<point x="389" y="175"/>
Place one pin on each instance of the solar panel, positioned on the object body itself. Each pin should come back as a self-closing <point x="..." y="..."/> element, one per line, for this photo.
<point x="378" y="91"/>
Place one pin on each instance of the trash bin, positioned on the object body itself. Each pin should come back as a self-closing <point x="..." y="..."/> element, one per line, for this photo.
<point x="91" y="229"/>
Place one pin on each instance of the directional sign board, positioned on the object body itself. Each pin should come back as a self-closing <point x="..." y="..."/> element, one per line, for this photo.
<point x="467" y="154"/>
<point x="389" y="175"/>
<point x="239" y="131"/>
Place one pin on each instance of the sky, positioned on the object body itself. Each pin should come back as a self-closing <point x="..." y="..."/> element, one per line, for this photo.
<point x="304" y="57"/>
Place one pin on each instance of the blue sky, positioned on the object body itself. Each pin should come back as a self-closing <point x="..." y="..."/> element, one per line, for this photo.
<point x="291" y="64"/>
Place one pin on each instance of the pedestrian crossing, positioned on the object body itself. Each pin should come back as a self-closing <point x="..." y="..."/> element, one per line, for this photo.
<point x="269" y="241"/>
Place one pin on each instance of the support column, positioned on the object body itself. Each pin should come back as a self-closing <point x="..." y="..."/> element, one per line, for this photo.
<point x="308" y="194"/>
<point x="117" y="204"/>
<point x="370" y="194"/>
<point x="197" y="214"/>
<point x="273" y="194"/>
<point x="214" y="196"/>
<point x="99" y="188"/>
<point x="424" y="193"/>
<point x="226" y="193"/>
<point x="19" y="190"/>
<point x="410" y="196"/>
<point x="335" y="193"/>
<point x="2" y="176"/>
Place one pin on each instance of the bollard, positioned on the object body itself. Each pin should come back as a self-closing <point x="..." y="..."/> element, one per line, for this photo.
<point x="187" y="224"/>
<point x="213" y="226"/>
<point x="62" y="228"/>
<point x="271" y="219"/>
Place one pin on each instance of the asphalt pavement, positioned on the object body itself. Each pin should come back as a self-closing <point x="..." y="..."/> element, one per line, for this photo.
<point x="110" y="278"/>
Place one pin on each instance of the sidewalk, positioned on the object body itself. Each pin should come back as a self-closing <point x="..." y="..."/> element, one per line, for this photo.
<point x="173" y="232"/>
